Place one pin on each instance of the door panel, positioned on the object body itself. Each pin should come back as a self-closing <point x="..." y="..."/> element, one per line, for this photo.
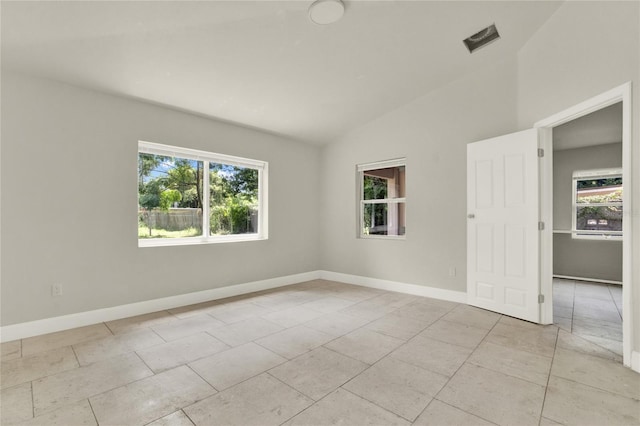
<point x="502" y="229"/>
<point x="484" y="248"/>
<point x="515" y="257"/>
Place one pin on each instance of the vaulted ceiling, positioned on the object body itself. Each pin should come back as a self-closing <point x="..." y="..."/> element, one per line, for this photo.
<point x="264" y="64"/>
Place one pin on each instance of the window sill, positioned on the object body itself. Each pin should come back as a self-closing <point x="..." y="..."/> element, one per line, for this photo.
<point x="383" y="237"/>
<point x="597" y="237"/>
<point x="167" y="242"/>
<point x="593" y="235"/>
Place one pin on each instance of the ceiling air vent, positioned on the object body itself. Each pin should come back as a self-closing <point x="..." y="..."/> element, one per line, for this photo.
<point x="481" y="38"/>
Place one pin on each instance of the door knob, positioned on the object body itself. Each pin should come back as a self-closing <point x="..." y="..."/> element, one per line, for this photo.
<point x="471" y="216"/>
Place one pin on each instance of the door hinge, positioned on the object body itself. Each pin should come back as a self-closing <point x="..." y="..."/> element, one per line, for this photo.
<point x="540" y="152"/>
<point x="540" y="226"/>
<point x="541" y="298"/>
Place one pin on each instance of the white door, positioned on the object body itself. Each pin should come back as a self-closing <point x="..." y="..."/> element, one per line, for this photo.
<point x="502" y="225"/>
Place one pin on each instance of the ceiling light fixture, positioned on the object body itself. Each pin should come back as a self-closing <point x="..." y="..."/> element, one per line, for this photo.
<point x="323" y="12"/>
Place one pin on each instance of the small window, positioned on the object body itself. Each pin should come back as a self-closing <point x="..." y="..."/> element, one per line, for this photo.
<point x="597" y="204"/>
<point x="382" y="199"/>
<point x="194" y="197"/>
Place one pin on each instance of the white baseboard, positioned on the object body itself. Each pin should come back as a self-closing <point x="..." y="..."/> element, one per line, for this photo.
<point x="591" y="280"/>
<point x="65" y="322"/>
<point x="418" y="290"/>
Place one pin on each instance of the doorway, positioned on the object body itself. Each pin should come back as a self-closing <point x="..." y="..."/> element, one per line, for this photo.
<point x="598" y="230"/>
<point x="587" y="227"/>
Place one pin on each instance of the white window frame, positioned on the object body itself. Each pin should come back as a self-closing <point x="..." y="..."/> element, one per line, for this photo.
<point x="209" y="157"/>
<point x="593" y="235"/>
<point x="361" y="168"/>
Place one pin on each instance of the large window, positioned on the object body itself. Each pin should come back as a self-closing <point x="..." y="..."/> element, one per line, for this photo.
<point x="187" y="196"/>
<point x="597" y="204"/>
<point x="382" y="199"/>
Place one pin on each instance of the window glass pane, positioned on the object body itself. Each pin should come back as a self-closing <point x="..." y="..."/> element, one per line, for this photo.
<point x="384" y="219"/>
<point x="169" y="197"/>
<point x="599" y="190"/>
<point x="605" y="218"/>
<point x="233" y="200"/>
<point x="380" y="184"/>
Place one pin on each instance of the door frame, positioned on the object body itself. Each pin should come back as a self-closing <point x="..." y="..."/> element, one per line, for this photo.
<point x="618" y="94"/>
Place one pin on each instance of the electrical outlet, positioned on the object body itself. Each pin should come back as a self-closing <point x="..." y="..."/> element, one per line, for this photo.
<point x="452" y="271"/>
<point x="56" y="290"/>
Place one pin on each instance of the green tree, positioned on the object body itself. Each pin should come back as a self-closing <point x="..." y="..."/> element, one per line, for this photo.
<point x="598" y="183"/>
<point x="234" y="195"/>
<point x="146" y="164"/>
<point x="244" y="181"/>
<point x="614" y="197"/>
<point x="186" y="179"/>
<point x="168" y="197"/>
<point x="375" y="188"/>
<point x="149" y="195"/>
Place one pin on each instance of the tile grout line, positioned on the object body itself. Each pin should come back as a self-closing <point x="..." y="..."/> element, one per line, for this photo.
<point x="349" y="356"/>
<point x="230" y="325"/>
<point x="147" y="365"/>
<point x="114" y="388"/>
<point x="371" y="402"/>
<point x="180" y="365"/>
<point x="157" y="334"/>
<point x="306" y="408"/>
<point x="75" y="354"/>
<point x="206" y="381"/>
<point x="248" y="378"/>
<point x="464" y="411"/>
<point x="93" y="411"/>
<point x="546" y="388"/>
<point x="375" y="403"/>
<point x="521" y="349"/>
<point x="314" y="402"/>
<point x="614" y="302"/>
<point x="573" y="309"/>
<point x="458" y="369"/>
<point x="243" y="380"/>
<point x="109" y="328"/>
<point x="33" y="402"/>
<point x="507" y="374"/>
<point x="616" y="394"/>
<point x="47" y="375"/>
<point x="318" y="401"/>
<point x="187" y="416"/>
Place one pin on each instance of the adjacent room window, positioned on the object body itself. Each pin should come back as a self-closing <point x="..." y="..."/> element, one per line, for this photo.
<point x="187" y="196"/>
<point x="597" y="204"/>
<point x="382" y="199"/>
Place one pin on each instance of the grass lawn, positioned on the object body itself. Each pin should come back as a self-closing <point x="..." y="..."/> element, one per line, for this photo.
<point x="143" y="232"/>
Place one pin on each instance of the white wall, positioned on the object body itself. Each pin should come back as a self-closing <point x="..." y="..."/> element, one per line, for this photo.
<point x="69" y="203"/>
<point x="432" y="133"/>
<point x="584" y="258"/>
<point x="585" y="49"/>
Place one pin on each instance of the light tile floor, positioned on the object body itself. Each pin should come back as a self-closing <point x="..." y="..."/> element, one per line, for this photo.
<point x="592" y="311"/>
<point x="319" y="353"/>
